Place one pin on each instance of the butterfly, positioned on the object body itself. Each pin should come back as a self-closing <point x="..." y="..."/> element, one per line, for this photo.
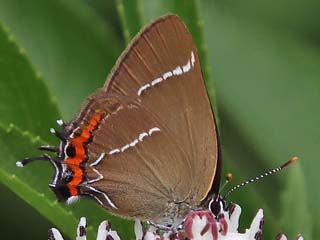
<point x="146" y="144"/>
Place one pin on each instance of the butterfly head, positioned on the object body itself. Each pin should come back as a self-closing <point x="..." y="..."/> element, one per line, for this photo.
<point x="68" y="172"/>
<point x="61" y="182"/>
<point x="217" y="205"/>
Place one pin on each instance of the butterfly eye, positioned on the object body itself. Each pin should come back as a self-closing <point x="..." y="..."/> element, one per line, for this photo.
<point x="70" y="151"/>
<point x="215" y="207"/>
<point x="68" y="175"/>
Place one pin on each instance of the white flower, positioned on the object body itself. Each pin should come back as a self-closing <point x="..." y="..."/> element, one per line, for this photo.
<point x="198" y="225"/>
<point x="281" y="236"/>
<point x="104" y="232"/>
<point x="203" y="225"/>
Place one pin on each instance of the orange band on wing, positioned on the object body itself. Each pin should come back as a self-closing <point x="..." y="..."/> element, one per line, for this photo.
<point x="80" y="153"/>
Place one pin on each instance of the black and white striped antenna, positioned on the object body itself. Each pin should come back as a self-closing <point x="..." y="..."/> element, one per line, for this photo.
<point x="259" y="177"/>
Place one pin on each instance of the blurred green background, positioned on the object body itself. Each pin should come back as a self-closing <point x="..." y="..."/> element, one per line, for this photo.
<point x="261" y="59"/>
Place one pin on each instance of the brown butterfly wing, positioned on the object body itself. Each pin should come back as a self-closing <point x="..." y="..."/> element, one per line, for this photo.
<point x="159" y="83"/>
<point x="180" y="101"/>
<point x="140" y="171"/>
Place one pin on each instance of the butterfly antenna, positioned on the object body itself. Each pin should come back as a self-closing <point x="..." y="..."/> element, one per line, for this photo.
<point x="43" y="157"/>
<point x="26" y="161"/>
<point x="259" y="177"/>
<point x="228" y="179"/>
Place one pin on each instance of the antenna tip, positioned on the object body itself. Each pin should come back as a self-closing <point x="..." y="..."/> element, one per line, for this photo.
<point x="19" y="164"/>
<point x="60" y="122"/>
<point x="291" y="160"/>
<point x="229" y="177"/>
<point x="294" y="159"/>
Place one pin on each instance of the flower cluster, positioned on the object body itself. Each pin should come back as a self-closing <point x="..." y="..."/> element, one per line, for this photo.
<point x="104" y="232"/>
<point x="198" y="225"/>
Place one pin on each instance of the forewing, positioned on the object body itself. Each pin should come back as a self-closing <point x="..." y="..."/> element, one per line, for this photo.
<point x="161" y="69"/>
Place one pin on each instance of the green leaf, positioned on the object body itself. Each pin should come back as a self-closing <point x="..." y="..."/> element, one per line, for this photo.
<point x="31" y="184"/>
<point x="24" y="97"/>
<point x="130" y="15"/>
<point x="294" y="206"/>
<point x="299" y="18"/>
<point x="68" y="44"/>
